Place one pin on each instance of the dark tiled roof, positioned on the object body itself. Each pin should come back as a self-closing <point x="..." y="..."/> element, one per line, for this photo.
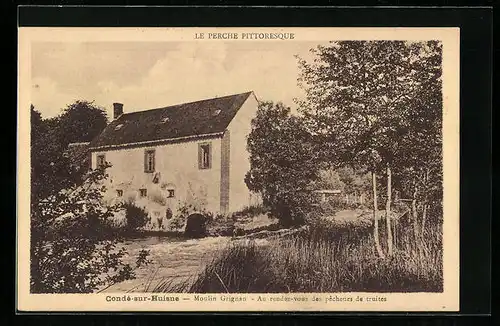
<point x="177" y="121"/>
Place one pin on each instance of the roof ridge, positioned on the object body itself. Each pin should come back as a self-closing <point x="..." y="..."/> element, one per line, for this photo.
<point x="185" y="103"/>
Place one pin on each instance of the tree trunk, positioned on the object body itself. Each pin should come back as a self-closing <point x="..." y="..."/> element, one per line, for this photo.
<point x="414" y="211"/>
<point x="425" y="204"/>
<point x="375" y="217"/>
<point x="388" y="211"/>
<point x="424" y="217"/>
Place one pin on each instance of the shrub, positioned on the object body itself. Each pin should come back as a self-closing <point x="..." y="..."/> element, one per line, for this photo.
<point x="70" y="252"/>
<point x="178" y="222"/>
<point x="251" y="211"/>
<point x="136" y="216"/>
<point x="220" y="226"/>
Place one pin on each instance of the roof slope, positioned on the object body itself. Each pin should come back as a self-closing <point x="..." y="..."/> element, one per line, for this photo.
<point x="177" y="121"/>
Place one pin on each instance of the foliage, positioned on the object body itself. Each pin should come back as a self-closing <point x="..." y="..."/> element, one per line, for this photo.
<point x="378" y="105"/>
<point x="346" y="179"/>
<point x="355" y="181"/>
<point x="81" y="121"/>
<point x="361" y="97"/>
<point x="250" y="211"/>
<point x="184" y="209"/>
<point x="70" y="247"/>
<point x="330" y="179"/>
<point x="136" y="216"/>
<point x="50" y="167"/>
<point x="283" y="163"/>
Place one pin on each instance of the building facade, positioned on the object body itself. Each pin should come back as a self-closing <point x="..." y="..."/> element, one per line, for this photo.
<point x="188" y="154"/>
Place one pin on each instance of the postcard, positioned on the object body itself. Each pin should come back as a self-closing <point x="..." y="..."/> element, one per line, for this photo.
<point x="238" y="169"/>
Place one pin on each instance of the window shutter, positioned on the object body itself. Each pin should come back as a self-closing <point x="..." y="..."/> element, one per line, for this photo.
<point x="145" y="161"/>
<point x="200" y="158"/>
<point x="153" y="160"/>
<point x="209" y="155"/>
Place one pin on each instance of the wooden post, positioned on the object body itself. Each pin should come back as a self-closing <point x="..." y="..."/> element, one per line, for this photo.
<point x="388" y="211"/>
<point x="375" y="217"/>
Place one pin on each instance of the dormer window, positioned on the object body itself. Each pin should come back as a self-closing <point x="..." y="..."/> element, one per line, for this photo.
<point x="118" y="127"/>
<point x="216" y="112"/>
<point x="165" y="120"/>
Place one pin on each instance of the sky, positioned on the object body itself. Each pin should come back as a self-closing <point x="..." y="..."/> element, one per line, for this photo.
<point x="145" y="75"/>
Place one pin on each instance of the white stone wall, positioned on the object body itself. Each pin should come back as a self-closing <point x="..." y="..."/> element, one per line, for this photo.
<point x="177" y="166"/>
<point x="240" y="127"/>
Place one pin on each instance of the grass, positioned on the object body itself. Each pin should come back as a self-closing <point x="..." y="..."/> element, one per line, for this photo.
<point x="327" y="257"/>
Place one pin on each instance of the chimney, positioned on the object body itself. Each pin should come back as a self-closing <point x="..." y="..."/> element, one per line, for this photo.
<point x="117" y="110"/>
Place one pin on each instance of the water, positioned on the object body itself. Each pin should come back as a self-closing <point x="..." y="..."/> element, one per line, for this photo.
<point x="173" y="258"/>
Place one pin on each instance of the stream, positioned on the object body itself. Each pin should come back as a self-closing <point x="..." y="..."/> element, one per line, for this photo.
<point x="175" y="259"/>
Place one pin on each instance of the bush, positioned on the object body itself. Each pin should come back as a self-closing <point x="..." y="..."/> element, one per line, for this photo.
<point x="136" y="216"/>
<point x="251" y="211"/>
<point x="70" y="249"/>
<point x="220" y="226"/>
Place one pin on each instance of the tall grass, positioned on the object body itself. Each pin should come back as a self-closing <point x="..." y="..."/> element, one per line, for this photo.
<point x="326" y="257"/>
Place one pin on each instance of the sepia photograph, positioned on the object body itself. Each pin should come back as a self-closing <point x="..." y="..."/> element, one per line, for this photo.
<point x="208" y="165"/>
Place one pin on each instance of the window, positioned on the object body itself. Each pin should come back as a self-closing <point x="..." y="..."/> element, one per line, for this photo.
<point x="118" y="127"/>
<point x="149" y="160"/>
<point x="119" y="193"/>
<point x="216" y="112"/>
<point x="101" y="161"/>
<point x="171" y="193"/>
<point x="204" y="156"/>
<point x="143" y="192"/>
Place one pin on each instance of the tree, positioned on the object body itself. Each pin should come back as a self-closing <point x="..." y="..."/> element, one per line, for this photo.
<point x="361" y="97"/>
<point x="283" y="163"/>
<point x="71" y="251"/>
<point x="81" y="121"/>
<point x="331" y="179"/>
<point x="50" y="168"/>
<point x="50" y="171"/>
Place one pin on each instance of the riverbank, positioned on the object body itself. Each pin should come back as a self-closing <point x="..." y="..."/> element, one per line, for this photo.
<point x="326" y="256"/>
<point x="177" y="259"/>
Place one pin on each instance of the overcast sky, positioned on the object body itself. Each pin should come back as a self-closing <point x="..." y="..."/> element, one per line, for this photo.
<point x="154" y="74"/>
